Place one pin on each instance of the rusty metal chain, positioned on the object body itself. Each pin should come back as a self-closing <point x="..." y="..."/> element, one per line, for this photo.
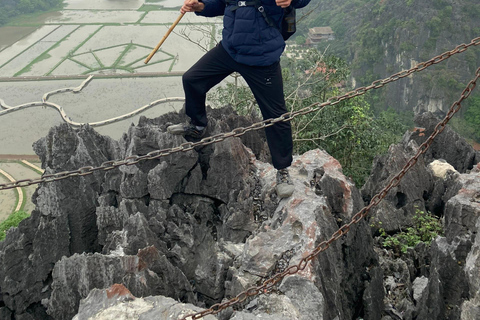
<point x="112" y="164"/>
<point x="269" y="283"/>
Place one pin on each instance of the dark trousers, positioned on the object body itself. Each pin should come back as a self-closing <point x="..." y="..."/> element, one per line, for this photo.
<point x="266" y="84"/>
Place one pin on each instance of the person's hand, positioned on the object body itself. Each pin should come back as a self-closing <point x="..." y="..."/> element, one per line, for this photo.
<point x="283" y="3"/>
<point x="191" y="6"/>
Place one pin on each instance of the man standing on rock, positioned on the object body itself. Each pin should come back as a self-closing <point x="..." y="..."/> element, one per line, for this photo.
<point x="252" y="47"/>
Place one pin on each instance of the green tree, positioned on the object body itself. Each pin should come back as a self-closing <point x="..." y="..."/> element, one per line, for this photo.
<point x="348" y="131"/>
<point x="25" y="6"/>
<point x="12" y="8"/>
<point x="425" y="228"/>
<point x="472" y="115"/>
<point x="235" y="93"/>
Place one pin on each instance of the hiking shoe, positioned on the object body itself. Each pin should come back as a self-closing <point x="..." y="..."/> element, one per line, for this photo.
<point x="285" y="185"/>
<point x="187" y="130"/>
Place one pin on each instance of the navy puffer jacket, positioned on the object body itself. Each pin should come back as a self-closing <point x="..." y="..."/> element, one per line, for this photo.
<point x="247" y="37"/>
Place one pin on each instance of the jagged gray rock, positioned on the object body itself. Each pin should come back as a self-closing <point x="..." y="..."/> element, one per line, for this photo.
<point x="117" y="302"/>
<point x="431" y="282"/>
<point x="419" y="188"/>
<point x="462" y="209"/>
<point x="448" y="145"/>
<point x="305" y="297"/>
<point x="418" y="287"/>
<point x="203" y="225"/>
<point x="145" y="274"/>
<point x="471" y="308"/>
<point x="396" y="211"/>
<point x="302" y="221"/>
<point x="451" y="293"/>
<point x="62" y="223"/>
<point x="285" y="238"/>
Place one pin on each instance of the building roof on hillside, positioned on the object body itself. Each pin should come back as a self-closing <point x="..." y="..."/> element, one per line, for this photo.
<point x="321" y="30"/>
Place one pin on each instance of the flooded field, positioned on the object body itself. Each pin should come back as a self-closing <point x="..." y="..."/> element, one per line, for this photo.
<point x="10" y="53"/>
<point x="101" y="99"/>
<point x="10" y="35"/>
<point x="7" y="201"/>
<point x="96" y="5"/>
<point x="7" y="197"/>
<point x="98" y="17"/>
<point x="81" y="40"/>
<point x="91" y="37"/>
<point x="166" y="3"/>
<point x="62" y="49"/>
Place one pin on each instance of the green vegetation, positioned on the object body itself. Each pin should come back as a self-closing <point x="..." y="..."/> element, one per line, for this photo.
<point x="17" y="196"/>
<point x="472" y="116"/>
<point x="10" y="9"/>
<point x="425" y="228"/>
<point x="30" y="168"/>
<point x="71" y="53"/>
<point x="378" y="38"/>
<point x="300" y="40"/>
<point x="435" y="26"/>
<point x="349" y="131"/>
<point x="12" y="221"/>
<point x="43" y="56"/>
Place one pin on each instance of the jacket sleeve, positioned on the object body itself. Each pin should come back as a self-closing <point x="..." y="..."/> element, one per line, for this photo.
<point x="213" y="8"/>
<point x="300" y="3"/>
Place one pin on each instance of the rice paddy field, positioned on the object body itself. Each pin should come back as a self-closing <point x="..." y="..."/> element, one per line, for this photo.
<point x="108" y="40"/>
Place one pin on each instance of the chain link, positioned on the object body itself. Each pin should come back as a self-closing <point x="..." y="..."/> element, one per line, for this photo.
<point x="269" y="283"/>
<point x="112" y="164"/>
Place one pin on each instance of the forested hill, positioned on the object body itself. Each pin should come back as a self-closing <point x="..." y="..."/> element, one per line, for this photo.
<point x="13" y="8"/>
<point x="382" y="37"/>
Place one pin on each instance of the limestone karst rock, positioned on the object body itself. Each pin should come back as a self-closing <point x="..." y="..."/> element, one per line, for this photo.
<point x="430" y="282"/>
<point x="179" y="233"/>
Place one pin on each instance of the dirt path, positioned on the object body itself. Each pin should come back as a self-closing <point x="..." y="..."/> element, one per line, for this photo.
<point x="7" y="200"/>
<point x="17" y="171"/>
<point x="30" y="158"/>
<point x="19" y="202"/>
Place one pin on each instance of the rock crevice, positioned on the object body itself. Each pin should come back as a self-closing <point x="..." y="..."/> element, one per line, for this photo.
<point x="201" y="226"/>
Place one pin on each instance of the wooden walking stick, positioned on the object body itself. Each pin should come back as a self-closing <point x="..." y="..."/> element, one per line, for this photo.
<point x="164" y="37"/>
